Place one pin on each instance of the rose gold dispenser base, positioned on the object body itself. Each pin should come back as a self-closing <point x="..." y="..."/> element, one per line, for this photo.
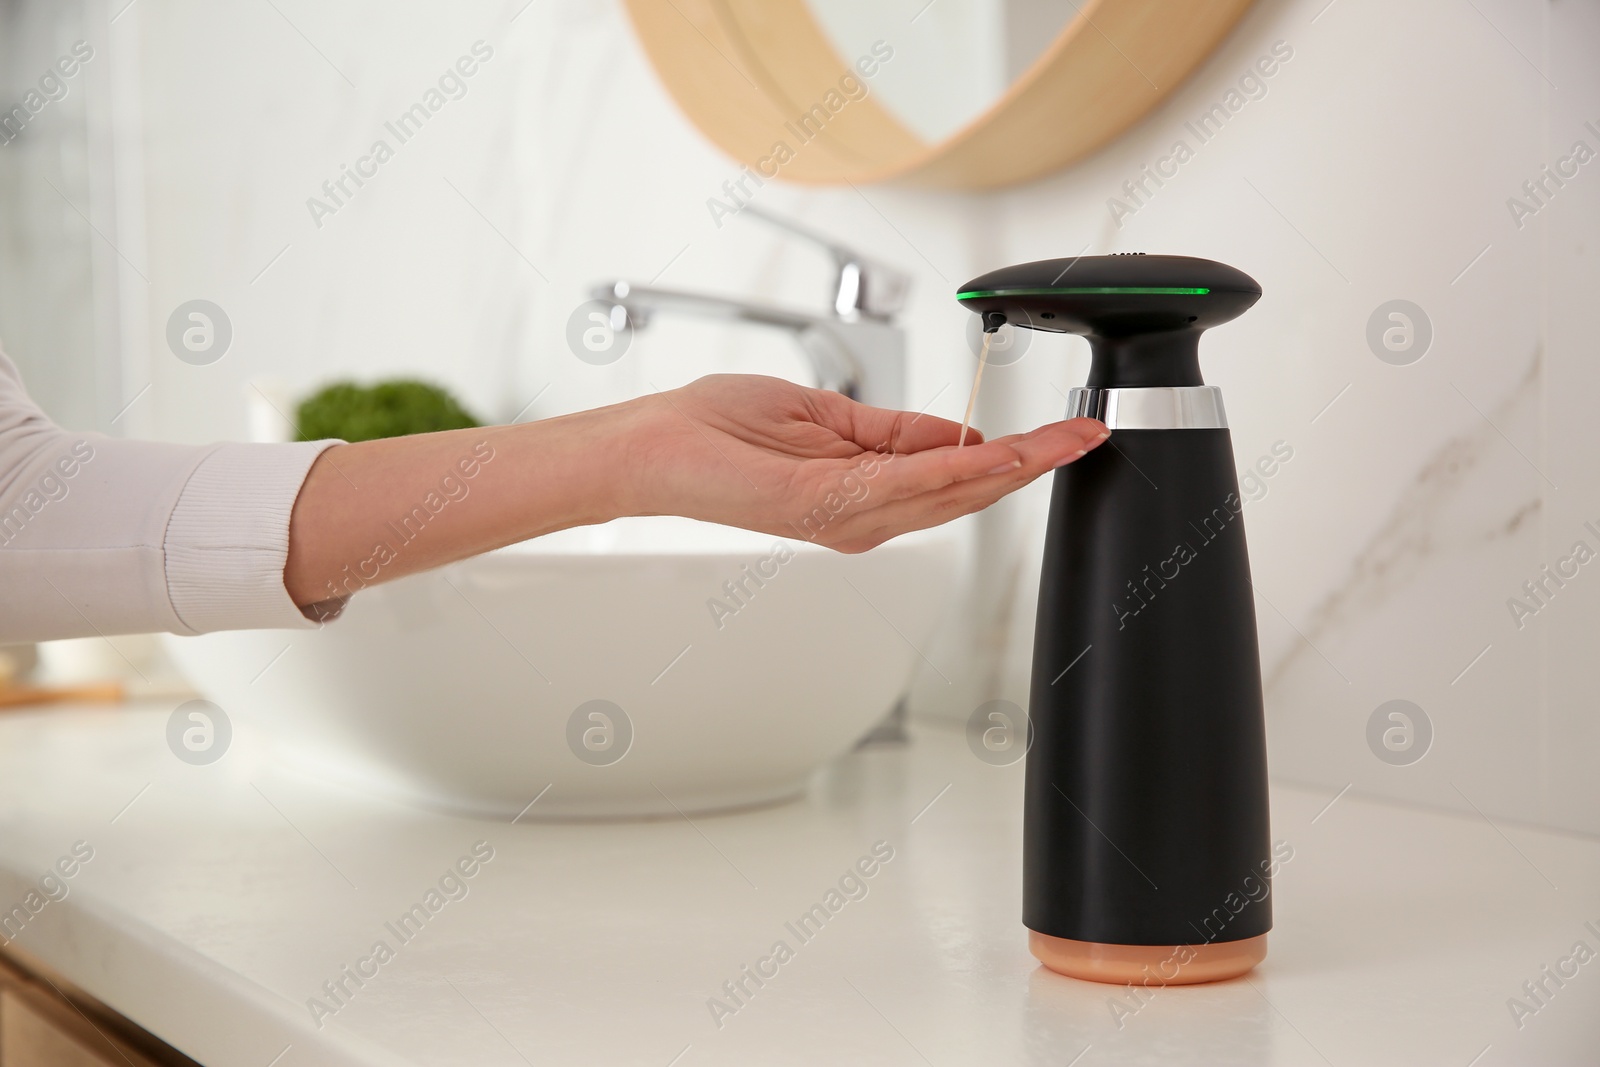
<point x="1149" y="964"/>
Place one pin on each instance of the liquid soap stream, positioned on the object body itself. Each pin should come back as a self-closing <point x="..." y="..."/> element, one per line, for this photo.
<point x="977" y="379"/>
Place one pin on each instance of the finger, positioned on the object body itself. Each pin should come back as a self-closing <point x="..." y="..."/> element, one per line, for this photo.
<point x="888" y="430"/>
<point x="903" y="475"/>
<point x="1052" y="445"/>
<point x="1022" y="457"/>
<point x="1084" y="428"/>
<point x="1042" y="451"/>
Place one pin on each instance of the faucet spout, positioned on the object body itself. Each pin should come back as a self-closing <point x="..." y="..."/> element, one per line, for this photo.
<point x="641" y="301"/>
<point x="856" y="348"/>
<point x="835" y="366"/>
<point x="862" y="287"/>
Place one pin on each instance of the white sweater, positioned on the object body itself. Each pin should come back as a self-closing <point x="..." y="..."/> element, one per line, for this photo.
<point x="101" y="536"/>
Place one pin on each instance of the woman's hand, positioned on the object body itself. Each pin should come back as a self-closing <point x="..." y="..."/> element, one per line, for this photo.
<point x="746" y="451"/>
<point x="768" y="455"/>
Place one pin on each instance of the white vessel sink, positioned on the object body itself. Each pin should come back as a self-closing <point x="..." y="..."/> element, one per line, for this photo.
<point x="458" y="688"/>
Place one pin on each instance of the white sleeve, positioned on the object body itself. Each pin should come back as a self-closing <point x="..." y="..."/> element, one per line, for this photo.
<point x="102" y="536"/>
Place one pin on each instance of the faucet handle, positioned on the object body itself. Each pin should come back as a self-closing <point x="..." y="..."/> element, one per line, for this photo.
<point x="863" y="287"/>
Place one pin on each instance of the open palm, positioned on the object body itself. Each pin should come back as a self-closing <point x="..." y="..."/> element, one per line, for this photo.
<point x="768" y="455"/>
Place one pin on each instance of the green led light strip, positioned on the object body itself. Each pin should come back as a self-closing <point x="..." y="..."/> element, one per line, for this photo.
<point x="1134" y="290"/>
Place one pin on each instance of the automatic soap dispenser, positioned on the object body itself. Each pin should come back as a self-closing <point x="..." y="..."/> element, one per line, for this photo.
<point x="1146" y="852"/>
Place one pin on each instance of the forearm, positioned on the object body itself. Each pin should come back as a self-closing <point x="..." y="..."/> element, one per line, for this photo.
<point x="377" y="510"/>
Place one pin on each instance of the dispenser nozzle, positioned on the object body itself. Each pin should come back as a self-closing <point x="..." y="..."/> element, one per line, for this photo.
<point x="1143" y="315"/>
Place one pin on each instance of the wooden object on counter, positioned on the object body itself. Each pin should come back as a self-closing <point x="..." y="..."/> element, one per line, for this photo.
<point x="17" y="697"/>
<point x="45" y="1021"/>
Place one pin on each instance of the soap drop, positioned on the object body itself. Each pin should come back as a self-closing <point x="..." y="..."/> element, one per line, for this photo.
<point x="972" y="400"/>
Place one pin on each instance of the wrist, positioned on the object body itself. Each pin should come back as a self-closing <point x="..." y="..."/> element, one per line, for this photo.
<point x="594" y="456"/>
<point x="629" y="431"/>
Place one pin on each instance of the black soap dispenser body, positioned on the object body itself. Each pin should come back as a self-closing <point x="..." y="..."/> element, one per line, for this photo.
<point x="1146" y="850"/>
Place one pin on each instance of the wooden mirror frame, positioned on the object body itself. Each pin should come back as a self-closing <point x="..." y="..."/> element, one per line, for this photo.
<point x="744" y="71"/>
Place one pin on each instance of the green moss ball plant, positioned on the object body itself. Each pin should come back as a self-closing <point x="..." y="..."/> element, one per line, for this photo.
<point x="395" y="408"/>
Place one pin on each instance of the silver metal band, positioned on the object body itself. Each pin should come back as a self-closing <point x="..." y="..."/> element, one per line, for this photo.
<point x="1190" y="407"/>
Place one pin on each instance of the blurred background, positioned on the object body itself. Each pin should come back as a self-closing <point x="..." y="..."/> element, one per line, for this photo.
<point x="1381" y="161"/>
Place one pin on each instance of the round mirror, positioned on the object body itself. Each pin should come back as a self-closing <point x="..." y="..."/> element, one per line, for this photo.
<point x="967" y="95"/>
<point x="952" y="61"/>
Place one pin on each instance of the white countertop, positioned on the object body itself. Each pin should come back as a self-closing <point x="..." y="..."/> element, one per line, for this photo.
<point x="223" y="897"/>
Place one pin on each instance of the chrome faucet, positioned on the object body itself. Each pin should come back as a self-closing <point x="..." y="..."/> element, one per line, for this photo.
<point x="855" y="348"/>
